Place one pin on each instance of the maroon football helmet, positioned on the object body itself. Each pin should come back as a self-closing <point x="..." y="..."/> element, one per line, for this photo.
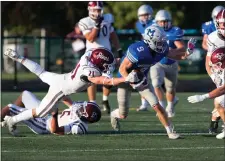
<point x="220" y="18"/>
<point x="92" y="7"/>
<point x="218" y="59"/>
<point x="103" y="59"/>
<point x="89" y="112"/>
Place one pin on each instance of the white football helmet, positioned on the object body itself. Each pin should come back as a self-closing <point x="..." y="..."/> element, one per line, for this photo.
<point x="215" y="11"/>
<point x="155" y="37"/>
<point x="142" y="10"/>
<point x="163" y="15"/>
<point x="92" y="7"/>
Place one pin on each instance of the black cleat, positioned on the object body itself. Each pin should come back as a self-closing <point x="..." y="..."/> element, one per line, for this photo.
<point x="106" y="107"/>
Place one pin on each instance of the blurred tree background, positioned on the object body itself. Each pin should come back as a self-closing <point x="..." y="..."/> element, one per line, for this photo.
<point x="59" y="18"/>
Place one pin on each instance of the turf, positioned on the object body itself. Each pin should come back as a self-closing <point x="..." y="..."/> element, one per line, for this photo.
<point x="142" y="137"/>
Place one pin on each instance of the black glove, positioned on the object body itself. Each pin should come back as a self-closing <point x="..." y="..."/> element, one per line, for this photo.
<point x="84" y="78"/>
<point x="120" y="52"/>
<point x="98" y="22"/>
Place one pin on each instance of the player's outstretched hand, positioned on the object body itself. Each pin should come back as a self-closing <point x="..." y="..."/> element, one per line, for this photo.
<point x="197" y="98"/>
<point x="191" y="46"/>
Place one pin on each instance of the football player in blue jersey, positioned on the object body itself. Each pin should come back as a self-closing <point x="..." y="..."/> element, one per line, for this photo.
<point x="208" y="28"/>
<point x="145" y="18"/>
<point x="166" y="70"/>
<point x="139" y="57"/>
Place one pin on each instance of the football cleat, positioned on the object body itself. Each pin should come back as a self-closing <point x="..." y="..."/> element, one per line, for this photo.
<point x="221" y="135"/>
<point x="170" y="112"/>
<point x="173" y="135"/>
<point x="11" y="126"/>
<point x="142" y="108"/>
<point x="12" y="54"/>
<point x="213" y="131"/>
<point x="105" y="106"/>
<point x="3" y="124"/>
<point x="115" y="124"/>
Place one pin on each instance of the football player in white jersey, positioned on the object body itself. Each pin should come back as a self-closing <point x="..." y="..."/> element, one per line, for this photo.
<point x="73" y="120"/>
<point x="99" y="32"/>
<point x="218" y="69"/>
<point x="93" y="63"/>
<point x="214" y="40"/>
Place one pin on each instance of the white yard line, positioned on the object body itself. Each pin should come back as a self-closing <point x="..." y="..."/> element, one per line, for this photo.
<point x="114" y="135"/>
<point x="106" y="150"/>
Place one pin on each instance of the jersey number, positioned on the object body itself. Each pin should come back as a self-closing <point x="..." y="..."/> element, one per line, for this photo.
<point x="141" y="48"/>
<point x="104" y="31"/>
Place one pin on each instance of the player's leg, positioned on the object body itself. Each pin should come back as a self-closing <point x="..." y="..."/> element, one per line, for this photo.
<point x="37" y="125"/>
<point x="123" y="98"/>
<point x="46" y="105"/>
<point x="213" y="127"/>
<point x="35" y="68"/>
<point x="220" y="106"/>
<point x="171" y="73"/>
<point x="157" y="75"/>
<point x="105" y="102"/>
<point x="161" y="113"/>
<point x="92" y="92"/>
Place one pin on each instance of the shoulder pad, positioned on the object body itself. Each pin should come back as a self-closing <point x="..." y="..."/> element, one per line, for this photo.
<point x="85" y="23"/>
<point x="109" y="17"/>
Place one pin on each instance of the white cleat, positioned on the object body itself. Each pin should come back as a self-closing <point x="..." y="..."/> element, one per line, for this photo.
<point x="170" y="112"/>
<point x="115" y="124"/>
<point x="3" y="124"/>
<point x="142" y="108"/>
<point x="173" y="135"/>
<point x="221" y="135"/>
<point x="11" y="126"/>
<point x="12" y="54"/>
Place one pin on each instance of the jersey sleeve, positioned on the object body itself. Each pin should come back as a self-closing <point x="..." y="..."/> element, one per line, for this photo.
<point x="210" y="47"/>
<point x="131" y="55"/>
<point x="79" y="128"/>
<point x="178" y="35"/>
<point x="203" y="29"/>
<point x="83" y="25"/>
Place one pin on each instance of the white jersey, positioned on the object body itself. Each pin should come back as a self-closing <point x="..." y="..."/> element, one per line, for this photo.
<point x="87" y="24"/>
<point x="214" y="41"/>
<point x="219" y="78"/>
<point x="71" y="82"/>
<point x="72" y="125"/>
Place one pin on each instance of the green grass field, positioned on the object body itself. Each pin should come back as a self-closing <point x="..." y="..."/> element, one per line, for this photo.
<point x="142" y="137"/>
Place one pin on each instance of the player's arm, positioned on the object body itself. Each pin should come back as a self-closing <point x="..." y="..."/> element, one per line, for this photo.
<point x="213" y="94"/>
<point x="180" y="54"/>
<point x="116" y="43"/>
<point x="54" y="127"/>
<point x="67" y="101"/>
<point x="106" y="81"/>
<point x="92" y="35"/>
<point x="124" y="66"/>
<point x="204" y="42"/>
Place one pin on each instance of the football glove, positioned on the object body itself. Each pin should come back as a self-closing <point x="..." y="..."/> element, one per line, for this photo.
<point x="191" y="46"/>
<point x="120" y="52"/>
<point x="141" y="85"/>
<point x="98" y="22"/>
<point x="197" y="98"/>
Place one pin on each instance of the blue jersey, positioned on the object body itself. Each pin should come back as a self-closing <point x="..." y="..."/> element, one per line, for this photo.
<point x="173" y="34"/>
<point x="141" y="27"/>
<point x="208" y="27"/>
<point x="142" y="57"/>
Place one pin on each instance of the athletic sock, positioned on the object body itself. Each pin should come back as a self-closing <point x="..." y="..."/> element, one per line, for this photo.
<point x="105" y="98"/>
<point x="162" y="103"/>
<point x="33" y="66"/>
<point x="25" y="115"/>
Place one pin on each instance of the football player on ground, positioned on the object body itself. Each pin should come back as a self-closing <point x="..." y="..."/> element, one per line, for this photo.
<point x="145" y="19"/>
<point x="140" y="56"/>
<point x="218" y="68"/>
<point x="166" y="70"/>
<point x="99" y="32"/>
<point x="93" y="63"/>
<point x="73" y="120"/>
<point x="208" y="28"/>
